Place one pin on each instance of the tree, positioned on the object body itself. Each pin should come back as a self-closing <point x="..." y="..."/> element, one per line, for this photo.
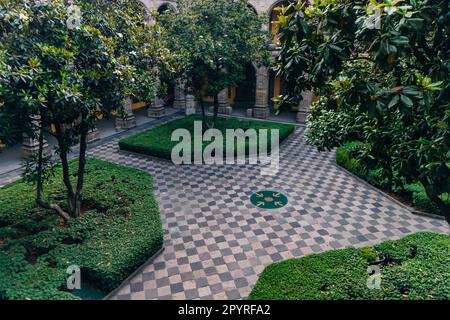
<point x="213" y="41"/>
<point x="383" y="69"/>
<point x="57" y="70"/>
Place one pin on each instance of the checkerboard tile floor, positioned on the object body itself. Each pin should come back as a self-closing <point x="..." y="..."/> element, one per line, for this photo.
<point x="217" y="242"/>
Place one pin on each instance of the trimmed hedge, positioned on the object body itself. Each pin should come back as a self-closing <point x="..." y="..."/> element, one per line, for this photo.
<point x="157" y="141"/>
<point x="414" y="267"/>
<point x="415" y="190"/>
<point x="118" y="231"/>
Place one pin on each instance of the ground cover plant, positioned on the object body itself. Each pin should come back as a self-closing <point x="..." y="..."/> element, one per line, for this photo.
<point x="157" y="141"/>
<point x="118" y="230"/>
<point x="412" y="194"/>
<point x="414" y="267"/>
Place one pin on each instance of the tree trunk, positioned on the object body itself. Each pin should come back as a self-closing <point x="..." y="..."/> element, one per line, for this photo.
<point x="63" y="149"/>
<point x="81" y="168"/>
<point x="441" y="204"/>
<point x="39" y="191"/>
<point x="202" y="105"/>
<point x="216" y="111"/>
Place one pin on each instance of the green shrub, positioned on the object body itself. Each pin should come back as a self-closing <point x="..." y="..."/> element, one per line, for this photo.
<point x="346" y="159"/>
<point x="157" y="141"/>
<point x="421" y="200"/>
<point x="415" y="267"/>
<point x="118" y="231"/>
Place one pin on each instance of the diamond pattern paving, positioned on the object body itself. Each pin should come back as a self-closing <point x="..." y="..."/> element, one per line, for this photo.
<point x="217" y="242"/>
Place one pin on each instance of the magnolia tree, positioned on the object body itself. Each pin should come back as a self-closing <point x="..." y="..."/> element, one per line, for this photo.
<point x="61" y="66"/>
<point x="213" y="41"/>
<point x="382" y="71"/>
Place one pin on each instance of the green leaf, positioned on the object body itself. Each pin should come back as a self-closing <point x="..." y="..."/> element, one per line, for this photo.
<point x="406" y="101"/>
<point x="393" y="101"/>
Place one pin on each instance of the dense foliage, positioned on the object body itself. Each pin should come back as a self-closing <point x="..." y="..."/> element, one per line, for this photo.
<point x="119" y="229"/>
<point x="157" y="141"/>
<point x="213" y="41"/>
<point x="414" y="267"/>
<point x="382" y="71"/>
<point x="413" y="193"/>
<point x="63" y="68"/>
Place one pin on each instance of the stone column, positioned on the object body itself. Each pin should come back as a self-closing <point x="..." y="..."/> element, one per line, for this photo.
<point x="191" y="104"/>
<point x="224" y="103"/>
<point x="303" y="108"/>
<point x="2" y="146"/>
<point x="261" y="110"/>
<point x="92" y="135"/>
<point x="125" y="118"/>
<point x="30" y="145"/>
<point x="179" y="101"/>
<point x="156" y="108"/>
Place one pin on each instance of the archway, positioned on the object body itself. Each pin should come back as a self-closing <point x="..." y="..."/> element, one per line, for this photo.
<point x="245" y="91"/>
<point x="170" y="94"/>
<point x="277" y="87"/>
<point x="274" y="13"/>
<point x="166" y="8"/>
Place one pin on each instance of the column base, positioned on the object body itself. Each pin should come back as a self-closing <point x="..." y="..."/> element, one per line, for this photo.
<point x="92" y="136"/>
<point x="191" y="105"/>
<point x="179" y="104"/>
<point x="156" y="112"/>
<point x="127" y="122"/>
<point x="301" y="117"/>
<point x="32" y="150"/>
<point x="222" y="110"/>
<point x="261" y="113"/>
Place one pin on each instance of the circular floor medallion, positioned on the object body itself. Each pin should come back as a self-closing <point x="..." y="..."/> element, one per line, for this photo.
<point x="268" y="199"/>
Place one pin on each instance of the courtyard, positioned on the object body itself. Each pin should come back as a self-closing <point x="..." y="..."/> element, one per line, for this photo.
<point x="216" y="242"/>
<point x="113" y="126"/>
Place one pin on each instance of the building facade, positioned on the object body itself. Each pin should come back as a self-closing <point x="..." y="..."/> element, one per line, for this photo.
<point x="253" y="97"/>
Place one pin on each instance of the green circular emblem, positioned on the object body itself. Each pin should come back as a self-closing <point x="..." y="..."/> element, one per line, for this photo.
<point x="267" y="199"/>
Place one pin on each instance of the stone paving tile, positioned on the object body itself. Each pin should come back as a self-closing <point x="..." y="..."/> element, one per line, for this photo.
<point x="217" y="243"/>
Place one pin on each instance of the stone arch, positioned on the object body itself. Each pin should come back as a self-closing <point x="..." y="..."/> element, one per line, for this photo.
<point x="252" y="7"/>
<point x="166" y="6"/>
<point x="273" y="16"/>
<point x="244" y="93"/>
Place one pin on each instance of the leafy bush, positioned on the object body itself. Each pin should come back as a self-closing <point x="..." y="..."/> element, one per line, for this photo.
<point x="421" y="200"/>
<point x="119" y="230"/>
<point x="345" y="158"/>
<point x="415" y="267"/>
<point x="397" y="78"/>
<point x="328" y="128"/>
<point x="157" y="141"/>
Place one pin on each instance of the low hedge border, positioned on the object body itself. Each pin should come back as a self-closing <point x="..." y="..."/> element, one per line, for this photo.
<point x="414" y="267"/>
<point x="156" y="142"/>
<point x="118" y="231"/>
<point x="372" y="179"/>
<point x="136" y="272"/>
